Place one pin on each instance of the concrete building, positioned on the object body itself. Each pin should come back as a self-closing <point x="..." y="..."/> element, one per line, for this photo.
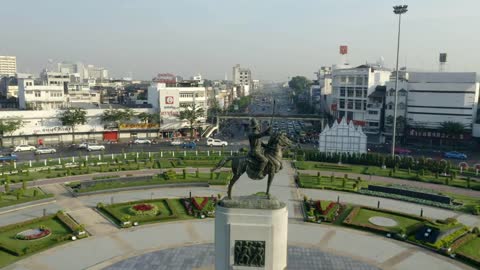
<point x="351" y="88"/>
<point x="33" y="95"/>
<point x="8" y="66"/>
<point x="83" y="72"/>
<point x="170" y="100"/>
<point x="374" y="119"/>
<point x="45" y="127"/>
<point x="321" y="90"/>
<point x="242" y="76"/>
<point x="343" y="138"/>
<point x="81" y="93"/>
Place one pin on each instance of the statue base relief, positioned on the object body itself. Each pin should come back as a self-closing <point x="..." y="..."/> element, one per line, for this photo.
<point x="251" y="233"/>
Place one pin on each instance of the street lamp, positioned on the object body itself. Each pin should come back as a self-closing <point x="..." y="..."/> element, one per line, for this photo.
<point x="398" y="10"/>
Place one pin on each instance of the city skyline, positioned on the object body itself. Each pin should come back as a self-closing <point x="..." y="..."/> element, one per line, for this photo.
<point x="275" y="39"/>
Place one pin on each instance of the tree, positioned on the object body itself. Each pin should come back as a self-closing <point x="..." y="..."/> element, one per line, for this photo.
<point x="73" y="117"/>
<point x="452" y="129"/>
<point x="152" y="118"/>
<point x="214" y="109"/>
<point x="115" y="116"/>
<point x="299" y="84"/>
<point x="8" y="126"/>
<point x="191" y="115"/>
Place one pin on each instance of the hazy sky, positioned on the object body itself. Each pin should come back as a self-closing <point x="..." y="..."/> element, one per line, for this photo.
<point x="275" y="38"/>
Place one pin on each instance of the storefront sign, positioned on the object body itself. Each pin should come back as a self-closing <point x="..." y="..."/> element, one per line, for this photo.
<point x="58" y="129"/>
<point x="139" y="126"/>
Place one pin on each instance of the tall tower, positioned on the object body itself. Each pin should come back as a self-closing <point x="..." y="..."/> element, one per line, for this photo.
<point x="443" y="62"/>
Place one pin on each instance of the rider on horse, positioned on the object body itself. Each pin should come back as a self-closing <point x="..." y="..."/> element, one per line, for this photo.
<point x="256" y="147"/>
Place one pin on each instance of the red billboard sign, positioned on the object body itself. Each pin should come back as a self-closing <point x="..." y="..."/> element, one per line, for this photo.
<point x="343" y="49"/>
<point x="169" y="100"/>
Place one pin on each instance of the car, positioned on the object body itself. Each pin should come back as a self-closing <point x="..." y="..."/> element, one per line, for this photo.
<point x="45" y="150"/>
<point x="24" y="147"/>
<point x="176" y="142"/>
<point x="82" y="145"/>
<point x="402" y="151"/>
<point x="95" y="147"/>
<point x="190" y="145"/>
<point x="216" y="142"/>
<point x="8" y="157"/>
<point x="455" y="155"/>
<point x="142" y="141"/>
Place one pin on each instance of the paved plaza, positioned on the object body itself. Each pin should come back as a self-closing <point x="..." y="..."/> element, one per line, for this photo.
<point x="339" y="247"/>
<point x="203" y="257"/>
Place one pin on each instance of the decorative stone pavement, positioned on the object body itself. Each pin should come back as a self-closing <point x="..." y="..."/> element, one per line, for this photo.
<point x="110" y="245"/>
<point x="203" y="257"/>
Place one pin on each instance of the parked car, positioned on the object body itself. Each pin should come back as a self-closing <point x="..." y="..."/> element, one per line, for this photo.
<point x="189" y="145"/>
<point x="8" y="157"/>
<point x="24" y="147"/>
<point x="176" y="142"/>
<point x="455" y="155"/>
<point x="95" y="147"/>
<point x="402" y="151"/>
<point x="142" y="141"/>
<point x="45" y="150"/>
<point x="216" y="142"/>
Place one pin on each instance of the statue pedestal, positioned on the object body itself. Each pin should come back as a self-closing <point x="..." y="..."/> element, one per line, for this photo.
<point x="251" y="234"/>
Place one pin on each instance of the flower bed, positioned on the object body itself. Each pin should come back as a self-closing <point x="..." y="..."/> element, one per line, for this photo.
<point x="407" y="199"/>
<point x="199" y="202"/>
<point x="462" y="240"/>
<point x="33" y="234"/>
<point x="200" y="206"/>
<point x="144" y="209"/>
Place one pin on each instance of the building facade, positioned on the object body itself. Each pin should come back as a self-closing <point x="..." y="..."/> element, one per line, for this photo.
<point x="242" y="76"/>
<point x="8" y="66"/>
<point x="351" y="88"/>
<point x="33" y="95"/>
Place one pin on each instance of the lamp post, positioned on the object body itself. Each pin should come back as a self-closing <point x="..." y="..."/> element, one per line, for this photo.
<point x="398" y="10"/>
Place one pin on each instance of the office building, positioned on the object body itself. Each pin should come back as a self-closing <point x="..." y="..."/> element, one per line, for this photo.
<point x="8" y="66"/>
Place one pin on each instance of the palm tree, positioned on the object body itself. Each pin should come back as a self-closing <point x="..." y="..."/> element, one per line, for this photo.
<point x="152" y="118"/>
<point x="191" y="114"/>
<point x="73" y="117"/>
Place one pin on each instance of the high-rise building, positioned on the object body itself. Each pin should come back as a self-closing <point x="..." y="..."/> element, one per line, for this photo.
<point x="8" y="66"/>
<point x="242" y="76"/>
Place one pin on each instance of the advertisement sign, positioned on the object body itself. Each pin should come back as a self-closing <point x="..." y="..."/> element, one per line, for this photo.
<point x="169" y="100"/>
<point x="139" y="126"/>
<point x="343" y="49"/>
<point x="169" y="103"/>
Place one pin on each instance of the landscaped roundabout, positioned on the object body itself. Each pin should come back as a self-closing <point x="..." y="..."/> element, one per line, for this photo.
<point x="405" y="225"/>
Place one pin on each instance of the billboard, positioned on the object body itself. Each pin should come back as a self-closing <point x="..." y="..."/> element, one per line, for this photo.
<point x="169" y="103"/>
<point x="343" y="49"/>
<point x="443" y="58"/>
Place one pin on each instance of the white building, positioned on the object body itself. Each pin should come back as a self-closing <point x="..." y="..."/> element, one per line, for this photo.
<point x="351" y="88"/>
<point x="242" y="76"/>
<point x="321" y="91"/>
<point x="81" y="93"/>
<point x="45" y="126"/>
<point x="8" y="66"/>
<point x="84" y="72"/>
<point x="170" y="100"/>
<point x="33" y="95"/>
<point x="343" y="138"/>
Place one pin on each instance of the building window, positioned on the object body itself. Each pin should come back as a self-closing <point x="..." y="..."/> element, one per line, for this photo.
<point x="342" y="103"/>
<point x="342" y="91"/>
<point x="401" y="106"/>
<point x="37" y="93"/>
<point x="365" y="92"/>
<point x="391" y="92"/>
<point x="349" y="104"/>
<point x="343" y="79"/>
<point x="402" y="92"/>
<point x="349" y="115"/>
<point x="373" y="124"/>
<point x="365" y="104"/>
<point x="358" y="104"/>
<point x="373" y="112"/>
<point x="341" y="114"/>
<point x="390" y="106"/>
<point x="350" y="92"/>
<point x="358" y="93"/>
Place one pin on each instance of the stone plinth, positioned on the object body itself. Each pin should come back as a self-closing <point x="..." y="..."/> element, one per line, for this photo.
<point x="251" y="234"/>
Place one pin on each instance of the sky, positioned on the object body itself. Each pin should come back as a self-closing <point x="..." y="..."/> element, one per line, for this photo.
<point x="276" y="39"/>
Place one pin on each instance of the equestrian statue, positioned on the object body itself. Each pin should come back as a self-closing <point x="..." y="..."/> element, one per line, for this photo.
<point x="262" y="159"/>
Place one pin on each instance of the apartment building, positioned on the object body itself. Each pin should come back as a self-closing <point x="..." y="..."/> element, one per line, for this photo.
<point x="351" y="88"/>
<point x="34" y="95"/>
<point x="8" y="66"/>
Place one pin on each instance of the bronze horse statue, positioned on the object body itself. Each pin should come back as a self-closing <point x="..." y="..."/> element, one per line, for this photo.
<point x="242" y="164"/>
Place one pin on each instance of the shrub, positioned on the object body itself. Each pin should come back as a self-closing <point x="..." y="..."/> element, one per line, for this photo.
<point x="476" y="231"/>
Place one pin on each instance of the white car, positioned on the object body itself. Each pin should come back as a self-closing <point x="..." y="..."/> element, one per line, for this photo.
<point x="176" y="142"/>
<point x="25" y="147"/>
<point x="82" y="145"/>
<point x="95" y="147"/>
<point x="45" y="150"/>
<point x="142" y="141"/>
<point x="216" y="142"/>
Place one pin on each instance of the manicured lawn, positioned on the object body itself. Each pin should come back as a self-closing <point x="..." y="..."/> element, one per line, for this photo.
<point x="15" y="249"/>
<point x="471" y="249"/>
<point x="312" y="181"/>
<point x="168" y="210"/>
<point x="221" y="178"/>
<point x="28" y="195"/>
<point x="402" y="222"/>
